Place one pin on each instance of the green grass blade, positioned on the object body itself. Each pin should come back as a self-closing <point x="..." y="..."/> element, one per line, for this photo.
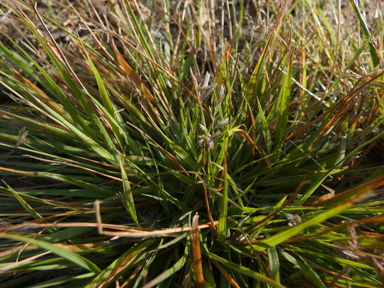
<point x="106" y="100"/>
<point x="281" y="127"/>
<point x="246" y="271"/>
<point x="222" y="229"/>
<point x="109" y="274"/>
<point x="128" y="193"/>
<point x="274" y="263"/>
<point x="289" y="233"/>
<point x="266" y="134"/>
<point x="306" y="269"/>
<point x="65" y="253"/>
<point x="169" y="272"/>
<point x="364" y="27"/>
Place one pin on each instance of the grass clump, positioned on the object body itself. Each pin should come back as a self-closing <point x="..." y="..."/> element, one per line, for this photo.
<point x="191" y="144"/>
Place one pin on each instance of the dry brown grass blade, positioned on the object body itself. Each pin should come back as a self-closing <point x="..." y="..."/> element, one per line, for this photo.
<point x="379" y="268"/>
<point x="274" y="74"/>
<point x="17" y="263"/>
<point x="225" y="274"/>
<point x="51" y="103"/>
<point x="32" y="223"/>
<point x="154" y="233"/>
<point x="102" y="66"/>
<point x="379" y="219"/>
<point x="320" y="200"/>
<point x="245" y="135"/>
<point x="140" y="232"/>
<point x="343" y="103"/>
<point x="271" y="35"/>
<point x="196" y="252"/>
<point x="123" y="264"/>
<point x="253" y="128"/>
<point x="17" y="171"/>
<point x="149" y="60"/>
<point x="131" y="74"/>
<point x="364" y="154"/>
<point x="355" y="193"/>
<point x="143" y="106"/>
<point x="18" y="249"/>
<point x="134" y="273"/>
<point x="135" y="78"/>
<point x="345" y="270"/>
<point x="213" y="225"/>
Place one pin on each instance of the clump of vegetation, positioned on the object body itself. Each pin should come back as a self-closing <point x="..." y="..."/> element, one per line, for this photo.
<point x="191" y="144"/>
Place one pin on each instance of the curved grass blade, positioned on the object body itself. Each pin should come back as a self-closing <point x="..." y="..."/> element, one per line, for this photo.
<point x="128" y="198"/>
<point x="308" y="272"/>
<point x="253" y="81"/>
<point x="289" y="233"/>
<point x="364" y="27"/>
<point x="121" y="264"/>
<point x="65" y="253"/>
<point x="60" y="177"/>
<point x="27" y="207"/>
<point x="171" y="271"/>
<point x="106" y="99"/>
<point x="75" y="89"/>
<point x="246" y="271"/>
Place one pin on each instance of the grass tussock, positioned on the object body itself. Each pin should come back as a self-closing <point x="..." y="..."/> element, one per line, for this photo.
<point x="191" y="144"/>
